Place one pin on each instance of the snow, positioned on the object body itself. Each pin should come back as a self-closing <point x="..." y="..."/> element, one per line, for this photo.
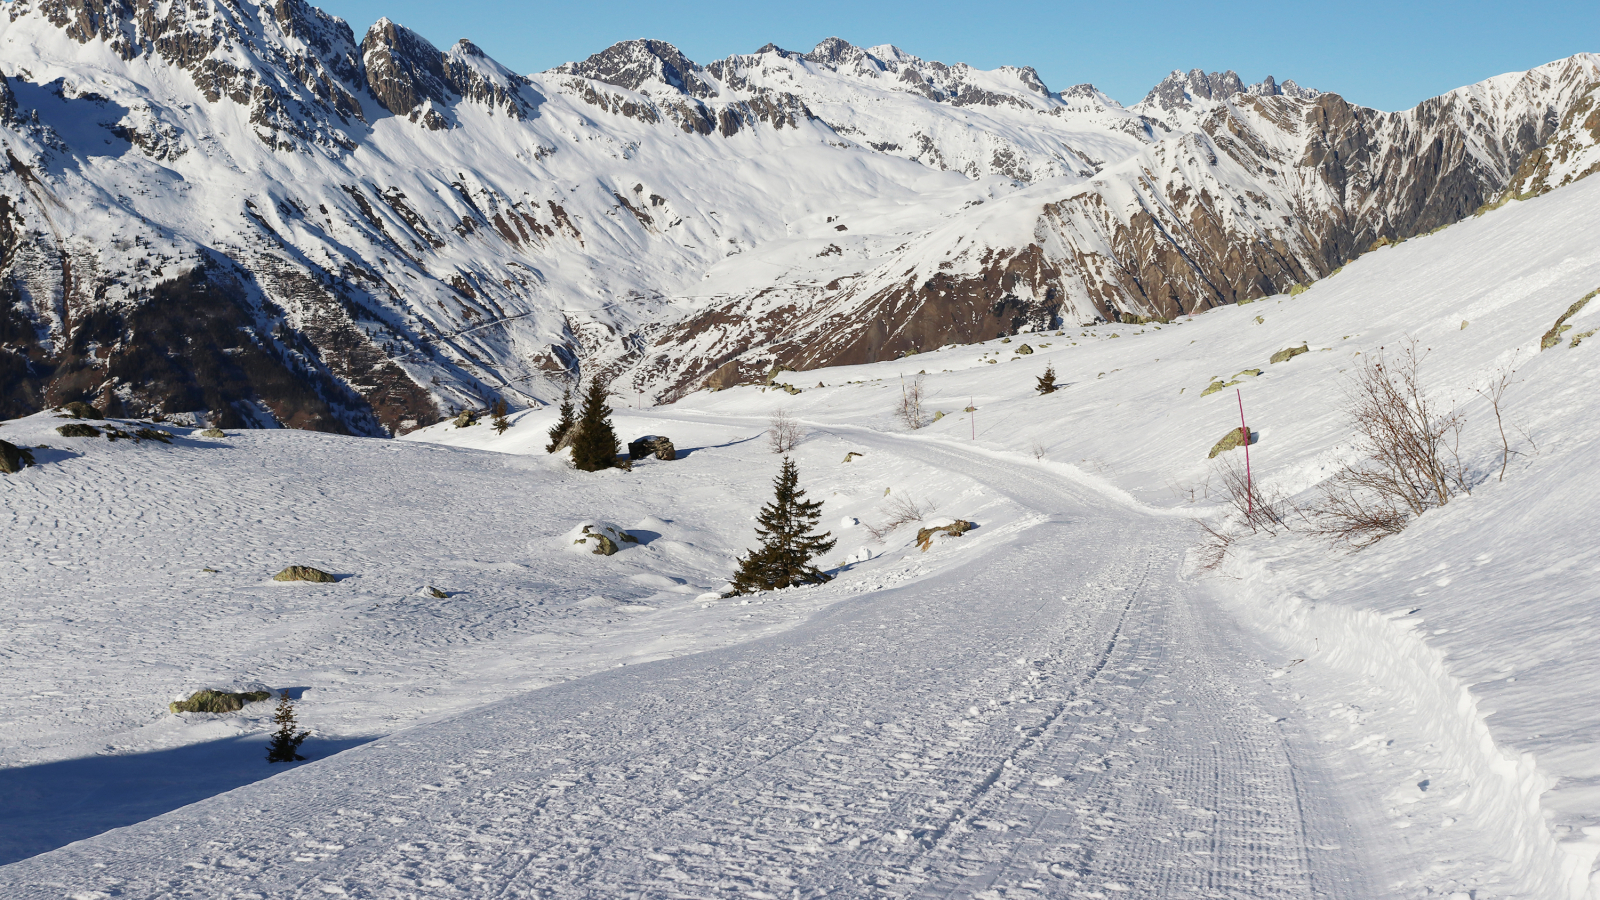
<point x="1057" y="703"/>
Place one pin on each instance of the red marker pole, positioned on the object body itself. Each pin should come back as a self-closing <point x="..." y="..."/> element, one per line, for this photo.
<point x="1249" y="486"/>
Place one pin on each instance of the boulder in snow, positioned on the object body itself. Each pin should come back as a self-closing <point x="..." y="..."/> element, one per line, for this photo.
<point x="599" y="538"/>
<point x="956" y="528"/>
<point x="78" y="429"/>
<point x="652" y="445"/>
<point x="14" y="459"/>
<point x="1289" y="353"/>
<point x="1234" y="438"/>
<point x="217" y="701"/>
<point x="81" y="410"/>
<point x="304" y="573"/>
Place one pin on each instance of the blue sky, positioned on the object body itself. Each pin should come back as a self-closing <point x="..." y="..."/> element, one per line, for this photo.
<point x="1388" y="55"/>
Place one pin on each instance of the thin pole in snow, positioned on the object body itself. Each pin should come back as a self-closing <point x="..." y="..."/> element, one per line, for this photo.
<point x="1249" y="486"/>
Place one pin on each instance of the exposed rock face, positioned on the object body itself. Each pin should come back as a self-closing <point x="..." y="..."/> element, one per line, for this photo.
<point x="636" y="64"/>
<point x="405" y="72"/>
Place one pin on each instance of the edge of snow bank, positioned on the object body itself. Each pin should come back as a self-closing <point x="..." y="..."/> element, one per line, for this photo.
<point x="1502" y="789"/>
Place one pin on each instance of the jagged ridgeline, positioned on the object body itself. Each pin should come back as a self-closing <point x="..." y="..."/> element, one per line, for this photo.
<point x="243" y="211"/>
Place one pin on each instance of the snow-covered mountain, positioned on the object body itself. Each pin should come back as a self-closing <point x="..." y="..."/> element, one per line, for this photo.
<point x="241" y="211"/>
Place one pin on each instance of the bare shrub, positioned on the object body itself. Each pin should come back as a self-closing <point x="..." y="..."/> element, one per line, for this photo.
<point x="1038" y="449"/>
<point x="1495" y="393"/>
<point x="901" y="510"/>
<point x="1408" y="453"/>
<point x="783" y="432"/>
<point x="1261" y="509"/>
<point x="1215" y="542"/>
<point x="910" y="410"/>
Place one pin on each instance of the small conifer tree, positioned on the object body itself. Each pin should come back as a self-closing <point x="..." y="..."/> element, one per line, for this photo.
<point x="499" y="423"/>
<point x="787" y="542"/>
<point x="286" y="741"/>
<point x="1047" y="381"/>
<point x="564" y="425"/>
<point x="594" y="443"/>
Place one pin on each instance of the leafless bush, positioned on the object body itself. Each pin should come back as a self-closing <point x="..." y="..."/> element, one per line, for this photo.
<point x="1038" y="449"/>
<point x="910" y="410"/>
<point x="1495" y="393"/>
<point x="783" y="432"/>
<point x="1350" y="515"/>
<point x="901" y="511"/>
<point x="1261" y="509"/>
<point x="1215" y="542"/>
<point x="1408" y="449"/>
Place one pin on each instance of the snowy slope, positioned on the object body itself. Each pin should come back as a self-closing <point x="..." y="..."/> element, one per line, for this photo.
<point x="991" y="715"/>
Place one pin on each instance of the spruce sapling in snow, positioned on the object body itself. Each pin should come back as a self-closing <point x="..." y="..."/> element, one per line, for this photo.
<point x="594" y="444"/>
<point x="1047" y="381"/>
<point x="562" y="427"/>
<point x="499" y="412"/>
<point x="787" y="542"/>
<point x="286" y="741"/>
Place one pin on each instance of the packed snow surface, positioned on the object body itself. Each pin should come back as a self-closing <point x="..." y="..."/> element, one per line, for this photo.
<point x="1058" y="703"/>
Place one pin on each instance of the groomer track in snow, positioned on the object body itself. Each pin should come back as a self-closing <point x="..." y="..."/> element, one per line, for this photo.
<point x="1057" y="716"/>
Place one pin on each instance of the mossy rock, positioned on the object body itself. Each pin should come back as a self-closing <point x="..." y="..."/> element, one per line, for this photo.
<point x="213" y="433"/>
<point x="467" y="418"/>
<point x="1216" y="385"/>
<point x="1005" y="340"/>
<point x="1234" y="438"/>
<point x="1553" y="336"/>
<point x="304" y="573"/>
<point x="1296" y="290"/>
<point x="1253" y="373"/>
<point x="1463" y="325"/>
<point x="1578" y="339"/>
<point x="938" y="414"/>
<point x="852" y="455"/>
<point x="1024" y="350"/>
<point x="437" y="594"/>
<point x="787" y="388"/>
<point x="82" y="410"/>
<point x="14" y="459"/>
<point x="217" y="701"/>
<point x="607" y="539"/>
<point x="78" y="429"/>
<point x="152" y="434"/>
<point x="1289" y="353"/>
<point x="772" y="374"/>
<point x="957" y="528"/>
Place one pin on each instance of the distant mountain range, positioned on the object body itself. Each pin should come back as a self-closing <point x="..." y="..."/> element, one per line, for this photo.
<point x="236" y="210"/>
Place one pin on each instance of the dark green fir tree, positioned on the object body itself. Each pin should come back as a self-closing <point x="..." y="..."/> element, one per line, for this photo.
<point x="788" y="543"/>
<point x="564" y="425"/>
<point x="594" y="441"/>
<point x="286" y="741"/>
<point x="1047" y="381"/>
<point x="499" y="423"/>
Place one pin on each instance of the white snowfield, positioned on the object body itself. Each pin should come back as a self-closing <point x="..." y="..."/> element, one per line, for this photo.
<point x="1055" y="704"/>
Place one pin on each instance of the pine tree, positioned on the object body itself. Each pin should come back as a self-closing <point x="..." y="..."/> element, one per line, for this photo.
<point x="788" y="546"/>
<point x="286" y="741"/>
<point x="499" y="412"/>
<point x="1047" y="381"/>
<point x="594" y="443"/>
<point x="562" y="427"/>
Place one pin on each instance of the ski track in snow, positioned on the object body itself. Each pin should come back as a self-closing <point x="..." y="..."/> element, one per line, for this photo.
<point x="1056" y="717"/>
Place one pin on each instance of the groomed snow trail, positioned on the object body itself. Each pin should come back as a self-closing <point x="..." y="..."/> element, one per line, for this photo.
<point x="1059" y="716"/>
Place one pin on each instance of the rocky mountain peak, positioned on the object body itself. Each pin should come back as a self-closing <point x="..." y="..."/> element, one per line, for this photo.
<point x="637" y="65"/>
<point x="405" y="72"/>
<point x="1180" y="90"/>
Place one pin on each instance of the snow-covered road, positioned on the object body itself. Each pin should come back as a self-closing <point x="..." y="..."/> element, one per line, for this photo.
<point x="1063" y="715"/>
